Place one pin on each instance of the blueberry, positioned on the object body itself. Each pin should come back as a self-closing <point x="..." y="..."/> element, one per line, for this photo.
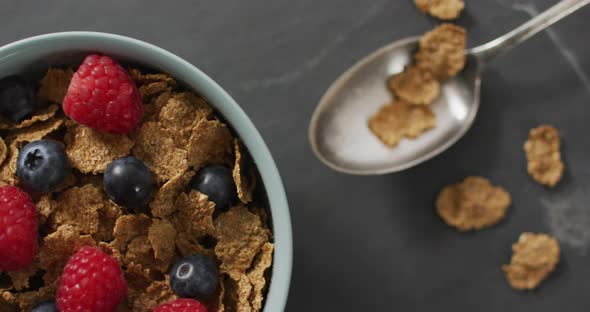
<point x="42" y="165"/>
<point x="216" y="182"/>
<point x="194" y="276"/>
<point x="128" y="182"/>
<point x="17" y="98"/>
<point x="46" y="306"/>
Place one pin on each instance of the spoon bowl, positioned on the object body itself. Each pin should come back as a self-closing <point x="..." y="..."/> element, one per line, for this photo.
<point x="339" y="134"/>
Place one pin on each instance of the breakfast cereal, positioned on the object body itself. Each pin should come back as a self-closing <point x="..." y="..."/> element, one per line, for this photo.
<point x="415" y="86"/>
<point x="472" y="204"/>
<point x="441" y="9"/>
<point x="57" y="247"/>
<point x="188" y="245"/>
<point x="34" y="132"/>
<point x="54" y="84"/>
<point x="41" y="114"/>
<point x="256" y="275"/>
<point x="162" y="237"/>
<point x="3" y="151"/>
<point x="244" y="177"/>
<point x="8" y="168"/>
<point x="45" y="207"/>
<point x="400" y="119"/>
<point x="156" y="293"/>
<point x="150" y="143"/>
<point x="91" y="152"/>
<point x="68" y="209"/>
<point x="210" y="142"/>
<point x="181" y="113"/>
<point x="240" y="236"/>
<point x="534" y="256"/>
<point x="442" y="51"/>
<point x="543" y="154"/>
<point x="440" y="56"/>
<point x="163" y="203"/>
<point x="194" y="214"/>
<point x="178" y="135"/>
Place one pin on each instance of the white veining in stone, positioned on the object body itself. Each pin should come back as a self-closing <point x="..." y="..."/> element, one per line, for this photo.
<point x="312" y="62"/>
<point x="528" y="7"/>
<point x="567" y="213"/>
<point x="568" y="216"/>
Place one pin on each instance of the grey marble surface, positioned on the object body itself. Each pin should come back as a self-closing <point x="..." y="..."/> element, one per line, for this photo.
<point x="375" y="243"/>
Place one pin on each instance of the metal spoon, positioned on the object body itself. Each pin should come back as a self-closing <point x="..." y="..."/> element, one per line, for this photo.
<point x="338" y="132"/>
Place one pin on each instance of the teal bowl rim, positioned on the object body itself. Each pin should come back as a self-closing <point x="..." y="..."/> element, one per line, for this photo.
<point x="164" y="60"/>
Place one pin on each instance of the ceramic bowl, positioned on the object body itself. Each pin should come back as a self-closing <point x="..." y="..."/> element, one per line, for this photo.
<point x="32" y="56"/>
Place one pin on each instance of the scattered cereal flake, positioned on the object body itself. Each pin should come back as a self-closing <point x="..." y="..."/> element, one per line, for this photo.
<point x="3" y="151"/>
<point x="187" y="246"/>
<point x="107" y="217"/>
<point x="35" y="132"/>
<point x="240" y="235"/>
<point x="244" y="178"/>
<point x="162" y="236"/>
<point x="45" y="207"/>
<point x="442" y="51"/>
<point x="180" y="115"/>
<point x="210" y="143"/>
<point x="129" y="227"/>
<point x="256" y="275"/>
<point x="55" y="84"/>
<point x="195" y="214"/>
<point x="139" y="250"/>
<point x="163" y="203"/>
<point x="399" y="119"/>
<point x="415" y="86"/>
<point x="157" y="293"/>
<point x="79" y="207"/>
<point x="441" y="9"/>
<point x="472" y="204"/>
<point x="543" y="154"/>
<point x="91" y="152"/>
<point x="159" y="153"/>
<point x="534" y="256"/>
<point x="42" y="114"/>
<point x="8" y="168"/>
<point x="57" y="248"/>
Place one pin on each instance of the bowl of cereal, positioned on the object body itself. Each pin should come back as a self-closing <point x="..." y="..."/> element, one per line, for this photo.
<point x="122" y="157"/>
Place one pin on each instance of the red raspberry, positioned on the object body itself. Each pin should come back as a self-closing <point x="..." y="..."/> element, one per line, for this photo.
<point x="91" y="281"/>
<point x="18" y="229"/>
<point x="102" y="96"/>
<point x="181" y="305"/>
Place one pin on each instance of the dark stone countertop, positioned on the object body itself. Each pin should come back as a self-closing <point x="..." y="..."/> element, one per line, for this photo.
<point x="375" y="243"/>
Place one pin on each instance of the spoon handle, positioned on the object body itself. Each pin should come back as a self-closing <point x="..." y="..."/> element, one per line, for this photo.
<point x="486" y="52"/>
